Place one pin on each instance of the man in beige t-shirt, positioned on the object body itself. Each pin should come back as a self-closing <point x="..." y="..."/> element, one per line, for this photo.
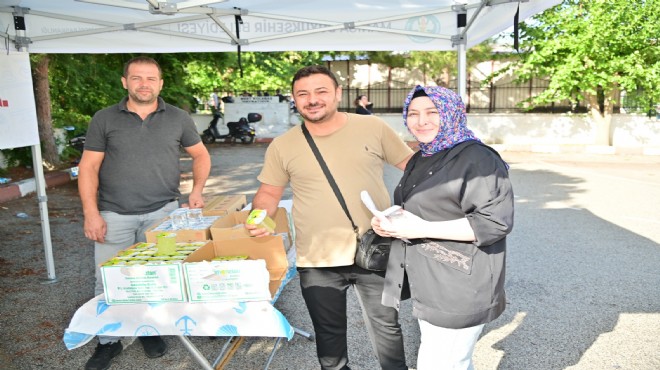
<point x="355" y="149"/>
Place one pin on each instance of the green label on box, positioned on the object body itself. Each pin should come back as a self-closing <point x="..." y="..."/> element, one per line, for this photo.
<point x="245" y="280"/>
<point x="143" y="284"/>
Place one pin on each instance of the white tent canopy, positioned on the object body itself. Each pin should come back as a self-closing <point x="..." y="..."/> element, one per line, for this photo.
<point x="121" y="26"/>
<point x="152" y="26"/>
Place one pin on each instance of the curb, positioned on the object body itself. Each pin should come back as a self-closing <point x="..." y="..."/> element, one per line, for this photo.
<point x="25" y="187"/>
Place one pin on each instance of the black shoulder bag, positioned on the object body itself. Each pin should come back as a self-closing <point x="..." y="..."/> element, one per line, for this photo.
<point x="373" y="250"/>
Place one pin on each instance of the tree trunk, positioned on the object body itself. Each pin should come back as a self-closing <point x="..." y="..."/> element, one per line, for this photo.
<point x="602" y="120"/>
<point x="44" y="119"/>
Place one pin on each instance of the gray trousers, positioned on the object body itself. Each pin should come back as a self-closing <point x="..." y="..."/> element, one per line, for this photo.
<point x="324" y="290"/>
<point x="122" y="232"/>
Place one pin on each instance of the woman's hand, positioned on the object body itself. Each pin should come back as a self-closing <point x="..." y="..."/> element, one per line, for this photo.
<point x="376" y="224"/>
<point x="403" y="225"/>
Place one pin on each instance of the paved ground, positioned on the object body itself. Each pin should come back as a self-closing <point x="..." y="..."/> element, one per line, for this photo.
<point x="583" y="277"/>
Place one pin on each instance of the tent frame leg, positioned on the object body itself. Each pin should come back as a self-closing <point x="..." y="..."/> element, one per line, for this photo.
<point x="40" y="183"/>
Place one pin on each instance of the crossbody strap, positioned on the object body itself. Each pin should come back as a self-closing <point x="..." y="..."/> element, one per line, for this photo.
<point x="328" y="175"/>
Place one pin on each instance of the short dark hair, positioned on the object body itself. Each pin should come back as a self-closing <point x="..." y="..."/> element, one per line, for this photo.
<point x="143" y="60"/>
<point x="312" y="70"/>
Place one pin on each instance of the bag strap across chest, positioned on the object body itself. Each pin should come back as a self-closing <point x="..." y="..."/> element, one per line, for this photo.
<point x="328" y="176"/>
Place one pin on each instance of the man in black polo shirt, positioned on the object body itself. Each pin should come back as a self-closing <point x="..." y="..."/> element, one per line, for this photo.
<point x="129" y="177"/>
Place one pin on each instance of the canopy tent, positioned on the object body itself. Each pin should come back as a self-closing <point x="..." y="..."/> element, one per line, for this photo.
<point x="120" y="26"/>
<point x="152" y="26"/>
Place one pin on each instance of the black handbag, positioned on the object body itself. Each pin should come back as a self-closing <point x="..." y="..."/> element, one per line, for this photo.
<point x="373" y="250"/>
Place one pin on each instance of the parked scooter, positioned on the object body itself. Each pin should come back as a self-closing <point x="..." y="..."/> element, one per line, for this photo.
<point x="77" y="143"/>
<point x="240" y="130"/>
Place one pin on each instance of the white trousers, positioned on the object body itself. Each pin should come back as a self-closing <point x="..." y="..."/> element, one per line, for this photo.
<point x="446" y="349"/>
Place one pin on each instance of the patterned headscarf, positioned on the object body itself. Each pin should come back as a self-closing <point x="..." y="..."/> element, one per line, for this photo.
<point x="453" y="121"/>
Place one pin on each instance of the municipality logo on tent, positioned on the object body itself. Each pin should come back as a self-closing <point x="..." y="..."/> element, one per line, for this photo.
<point x="426" y="24"/>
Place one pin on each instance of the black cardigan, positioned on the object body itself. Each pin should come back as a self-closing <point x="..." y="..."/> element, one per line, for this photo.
<point x="455" y="284"/>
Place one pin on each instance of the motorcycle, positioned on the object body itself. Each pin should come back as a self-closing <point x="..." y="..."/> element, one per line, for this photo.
<point x="240" y="130"/>
<point x="77" y="143"/>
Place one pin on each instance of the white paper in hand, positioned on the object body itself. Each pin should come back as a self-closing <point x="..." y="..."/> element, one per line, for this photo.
<point x="382" y="215"/>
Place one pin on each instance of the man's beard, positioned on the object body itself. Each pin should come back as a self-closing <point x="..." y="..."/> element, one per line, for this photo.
<point x="138" y="99"/>
<point x="319" y="119"/>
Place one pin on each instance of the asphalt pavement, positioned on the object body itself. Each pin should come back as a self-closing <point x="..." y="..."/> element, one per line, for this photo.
<point x="583" y="274"/>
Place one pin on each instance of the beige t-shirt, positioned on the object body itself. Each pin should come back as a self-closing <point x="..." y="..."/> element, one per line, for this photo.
<point x="355" y="155"/>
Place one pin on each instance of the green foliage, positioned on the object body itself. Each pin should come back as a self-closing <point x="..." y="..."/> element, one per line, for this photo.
<point x="392" y="60"/>
<point x="592" y="47"/>
<point x="181" y="79"/>
<point x="268" y="71"/>
<point x="206" y="72"/>
<point x="17" y="157"/>
<point x="439" y="65"/>
<point x="85" y="83"/>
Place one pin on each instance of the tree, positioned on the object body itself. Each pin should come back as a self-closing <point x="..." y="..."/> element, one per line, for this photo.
<point x="589" y="49"/>
<point x="84" y="83"/>
<point x="268" y="71"/>
<point x="439" y="66"/>
<point x="44" y="119"/>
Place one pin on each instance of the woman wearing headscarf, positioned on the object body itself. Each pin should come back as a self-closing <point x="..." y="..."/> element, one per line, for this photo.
<point x="450" y="241"/>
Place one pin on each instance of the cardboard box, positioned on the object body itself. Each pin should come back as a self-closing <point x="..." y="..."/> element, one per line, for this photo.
<point x="182" y="235"/>
<point x="232" y="226"/>
<point x="153" y="282"/>
<point x="269" y="248"/>
<point x="212" y="281"/>
<point x="184" y="281"/>
<point x="222" y="205"/>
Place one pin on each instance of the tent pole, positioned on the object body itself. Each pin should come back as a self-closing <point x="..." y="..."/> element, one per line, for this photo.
<point x="40" y="181"/>
<point x="43" y="211"/>
<point x="460" y="41"/>
<point x="462" y="72"/>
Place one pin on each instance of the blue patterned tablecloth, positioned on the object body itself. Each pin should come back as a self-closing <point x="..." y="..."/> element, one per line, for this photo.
<point x="221" y="319"/>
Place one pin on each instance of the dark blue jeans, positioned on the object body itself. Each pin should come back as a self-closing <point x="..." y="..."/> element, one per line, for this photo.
<point x="324" y="290"/>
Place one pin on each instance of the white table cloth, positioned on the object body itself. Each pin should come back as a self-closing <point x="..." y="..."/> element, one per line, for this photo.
<point x="193" y="319"/>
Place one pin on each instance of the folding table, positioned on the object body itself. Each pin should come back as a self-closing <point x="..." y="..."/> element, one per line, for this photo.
<point x="210" y="319"/>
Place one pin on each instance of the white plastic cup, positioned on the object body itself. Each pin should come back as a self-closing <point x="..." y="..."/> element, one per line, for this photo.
<point x="194" y="217"/>
<point x="179" y="219"/>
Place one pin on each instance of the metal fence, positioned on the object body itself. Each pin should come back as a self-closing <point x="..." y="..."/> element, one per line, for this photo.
<point x="481" y="98"/>
<point x="487" y="98"/>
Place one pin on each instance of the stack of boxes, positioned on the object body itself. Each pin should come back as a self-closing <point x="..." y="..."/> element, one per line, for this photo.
<point x="216" y="260"/>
